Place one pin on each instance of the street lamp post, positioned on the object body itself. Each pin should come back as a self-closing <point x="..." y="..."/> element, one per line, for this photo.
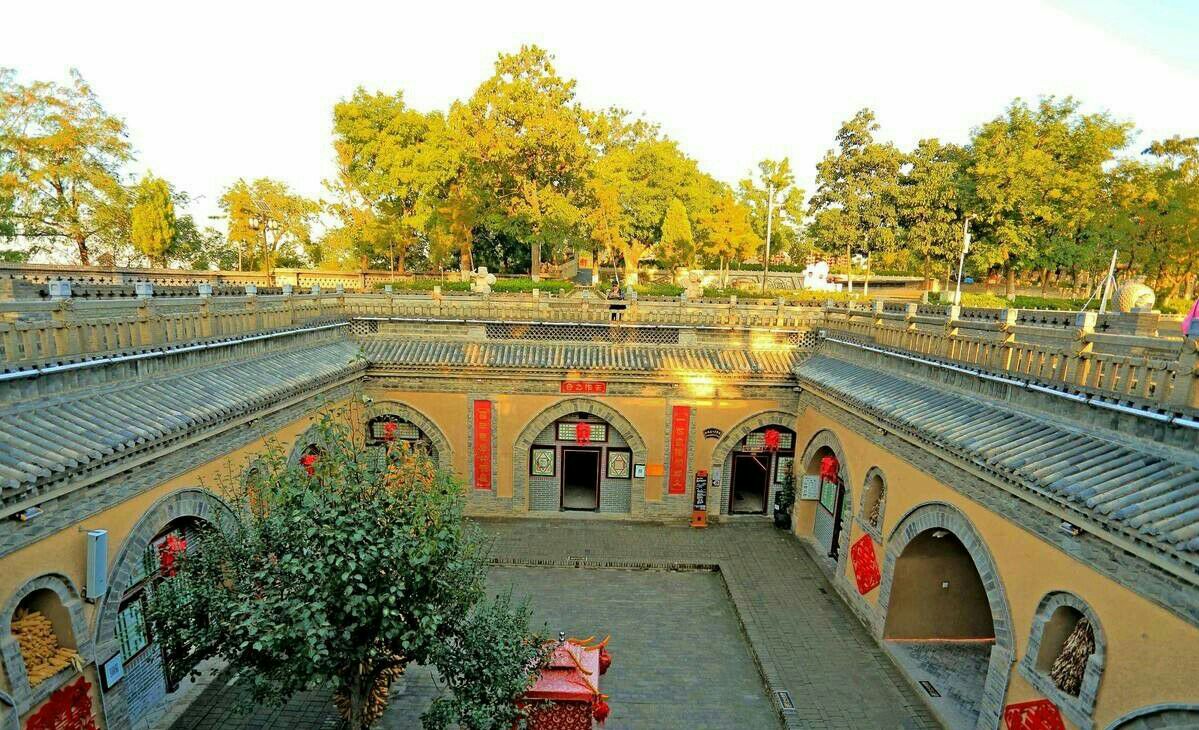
<point x="769" y="222"/>
<point x="957" y="290"/>
<point x="265" y="225"/>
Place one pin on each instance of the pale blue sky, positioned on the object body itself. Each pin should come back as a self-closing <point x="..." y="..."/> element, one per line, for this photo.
<point x="218" y="90"/>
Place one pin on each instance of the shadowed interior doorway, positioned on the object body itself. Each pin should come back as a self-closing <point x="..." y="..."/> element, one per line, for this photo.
<point x="749" y="487"/>
<point x="580" y="479"/>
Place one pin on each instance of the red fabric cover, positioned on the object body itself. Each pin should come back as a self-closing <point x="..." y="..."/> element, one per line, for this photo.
<point x="865" y="565"/>
<point x="830" y="469"/>
<point x="69" y="708"/>
<point x="560" y="716"/>
<point x="583" y="433"/>
<point x="572" y="674"/>
<point x="1034" y="715"/>
<point x="771" y="437"/>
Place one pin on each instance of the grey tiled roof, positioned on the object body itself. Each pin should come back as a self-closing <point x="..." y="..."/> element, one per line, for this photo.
<point x="565" y="356"/>
<point x="1152" y="494"/>
<point x="51" y="436"/>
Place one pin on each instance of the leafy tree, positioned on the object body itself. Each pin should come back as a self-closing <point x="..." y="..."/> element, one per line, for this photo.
<point x="205" y="248"/>
<point x="64" y="154"/>
<point x="1034" y="179"/>
<point x="929" y="211"/>
<point x="786" y="219"/>
<point x="677" y="245"/>
<point x="268" y="221"/>
<point x="340" y="577"/>
<point x="730" y="235"/>
<point x="152" y="227"/>
<point x="857" y="188"/>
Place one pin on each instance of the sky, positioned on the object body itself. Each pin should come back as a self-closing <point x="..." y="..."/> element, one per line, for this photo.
<point x="216" y="91"/>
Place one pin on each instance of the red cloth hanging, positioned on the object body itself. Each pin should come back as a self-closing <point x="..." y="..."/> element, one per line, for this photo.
<point x="582" y="433"/>
<point x="168" y="554"/>
<point x="830" y="469"/>
<point x="308" y="461"/>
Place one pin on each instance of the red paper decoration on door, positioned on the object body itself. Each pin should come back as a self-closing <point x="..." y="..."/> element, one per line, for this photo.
<point x="772" y="439"/>
<point x="69" y="708"/>
<point x="830" y="469"/>
<point x="308" y="461"/>
<point x="865" y="565"/>
<point x="389" y="430"/>
<point x="582" y="433"/>
<point x="1034" y="715"/>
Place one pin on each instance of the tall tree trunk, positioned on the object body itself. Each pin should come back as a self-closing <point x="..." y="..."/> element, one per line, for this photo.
<point x="1010" y="290"/>
<point x="866" y="284"/>
<point x="928" y="275"/>
<point x="1044" y="281"/>
<point x="464" y="257"/>
<point x="81" y="242"/>
<point x="535" y="267"/>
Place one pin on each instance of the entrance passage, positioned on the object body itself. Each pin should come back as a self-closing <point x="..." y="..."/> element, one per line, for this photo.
<point x="749" y="487"/>
<point x="580" y="479"/>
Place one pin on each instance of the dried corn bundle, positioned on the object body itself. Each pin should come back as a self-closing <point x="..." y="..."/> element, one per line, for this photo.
<point x="377" y="702"/>
<point x="1071" y="663"/>
<point x="39" y="646"/>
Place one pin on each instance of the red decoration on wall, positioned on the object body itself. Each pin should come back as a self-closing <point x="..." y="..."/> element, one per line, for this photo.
<point x="308" y="461"/>
<point x="482" y="444"/>
<point x="168" y="554"/>
<point x="389" y="430"/>
<point x="830" y="469"/>
<point x="69" y="708"/>
<point x="582" y="433"/>
<point x="680" y="437"/>
<point x="1034" y="715"/>
<point x="865" y="565"/>
<point x="771" y="438"/>
<point x="590" y="387"/>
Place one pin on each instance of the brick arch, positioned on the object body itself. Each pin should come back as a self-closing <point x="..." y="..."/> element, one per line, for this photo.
<point x="1077" y="709"/>
<point x="312" y="436"/>
<point x="718" y="496"/>
<point x="1165" y="716"/>
<point x="939" y="515"/>
<point x="193" y="502"/>
<point x="863" y="519"/>
<point x="24" y="696"/>
<point x="524" y="442"/>
<point x="826" y="438"/>
<point x="445" y="457"/>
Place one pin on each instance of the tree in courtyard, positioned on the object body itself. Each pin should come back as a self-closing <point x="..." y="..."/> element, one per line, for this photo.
<point x="730" y="235"/>
<point x="202" y="248"/>
<point x="929" y="212"/>
<point x="64" y="154"/>
<point x="267" y="221"/>
<point x="785" y="217"/>
<point x="340" y="570"/>
<point x="677" y="246"/>
<point x="152" y="221"/>
<point x="857" y="186"/>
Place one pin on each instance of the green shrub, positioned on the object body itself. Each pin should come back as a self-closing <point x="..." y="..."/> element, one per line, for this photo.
<point x="421" y="285"/>
<point x="548" y="286"/>
<point x="659" y="289"/>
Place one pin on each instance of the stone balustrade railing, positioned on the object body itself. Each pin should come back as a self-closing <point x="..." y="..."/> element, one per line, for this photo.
<point x="1125" y="358"/>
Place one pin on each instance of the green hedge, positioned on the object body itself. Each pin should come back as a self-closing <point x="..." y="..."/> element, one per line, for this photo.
<point x="657" y="289"/>
<point x="421" y="285"/>
<point x="548" y="286"/>
<point x="501" y="285"/>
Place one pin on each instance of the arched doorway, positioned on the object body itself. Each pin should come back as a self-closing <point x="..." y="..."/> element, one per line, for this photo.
<point x="579" y="455"/>
<point x="1161" y="717"/>
<point x="757" y="466"/>
<point x="826" y="474"/>
<point x="945" y="618"/>
<point x="394" y="422"/>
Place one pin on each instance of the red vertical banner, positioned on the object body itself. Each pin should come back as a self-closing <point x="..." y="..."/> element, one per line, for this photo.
<point x="482" y="444"/>
<point x="680" y="437"/>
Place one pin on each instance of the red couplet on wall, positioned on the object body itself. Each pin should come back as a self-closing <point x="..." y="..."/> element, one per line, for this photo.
<point x="1035" y="715"/>
<point x="680" y="434"/>
<point x="482" y="444"/>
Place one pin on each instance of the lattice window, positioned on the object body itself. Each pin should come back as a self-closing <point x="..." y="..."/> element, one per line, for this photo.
<point x="569" y="432"/>
<point x="359" y="327"/>
<point x="583" y="333"/>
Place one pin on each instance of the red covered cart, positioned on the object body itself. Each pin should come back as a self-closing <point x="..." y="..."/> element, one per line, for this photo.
<point x="567" y="696"/>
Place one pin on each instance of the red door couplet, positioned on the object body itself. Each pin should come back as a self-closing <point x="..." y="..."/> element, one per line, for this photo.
<point x="482" y="444"/>
<point x="680" y="437"/>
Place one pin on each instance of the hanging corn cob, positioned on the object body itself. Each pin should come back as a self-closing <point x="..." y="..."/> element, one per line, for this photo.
<point x="1071" y="663"/>
<point x="39" y="646"/>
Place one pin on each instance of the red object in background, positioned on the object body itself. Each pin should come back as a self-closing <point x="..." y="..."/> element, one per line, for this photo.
<point x="680" y="436"/>
<point x="605" y="661"/>
<point x="69" y="708"/>
<point x="865" y="565"/>
<point x="830" y="469"/>
<point x="308" y="461"/>
<point x="482" y="444"/>
<point x="772" y="439"/>
<point x="1034" y="715"/>
<point x="389" y="430"/>
<point x="566" y="694"/>
<point x="168" y="554"/>
<point x="601" y="711"/>
<point x="582" y="433"/>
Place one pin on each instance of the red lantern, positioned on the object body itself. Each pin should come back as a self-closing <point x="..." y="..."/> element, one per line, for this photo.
<point x="308" y="461"/>
<point x="605" y="661"/>
<point x="600" y="711"/>
<point x="772" y="439"/>
<point x="168" y="554"/>
<point x="389" y="430"/>
<point x="582" y="433"/>
<point x="830" y="469"/>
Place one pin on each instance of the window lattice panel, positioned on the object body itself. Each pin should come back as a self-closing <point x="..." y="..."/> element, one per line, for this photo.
<point x="582" y="333"/>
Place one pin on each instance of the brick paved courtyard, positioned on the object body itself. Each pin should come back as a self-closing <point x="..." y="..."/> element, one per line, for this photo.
<point x="806" y="640"/>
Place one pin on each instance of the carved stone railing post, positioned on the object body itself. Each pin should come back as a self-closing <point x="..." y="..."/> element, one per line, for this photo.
<point x="1007" y="330"/>
<point x="953" y="315"/>
<point x="1186" y="384"/>
<point x="1078" y="368"/>
<point x="205" y="291"/>
<point x="879" y="305"/>
<point x="289" y="303"/>
<point x="255" y="317"/>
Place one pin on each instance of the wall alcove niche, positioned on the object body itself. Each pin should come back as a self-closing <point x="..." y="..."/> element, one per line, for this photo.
<point x="43" y="639"/>
<point x="1065" y="656"/>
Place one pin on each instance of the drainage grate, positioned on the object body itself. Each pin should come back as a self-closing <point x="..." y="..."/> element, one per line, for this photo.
<point x="928" y="687"/>
<point x="784" y="698"/>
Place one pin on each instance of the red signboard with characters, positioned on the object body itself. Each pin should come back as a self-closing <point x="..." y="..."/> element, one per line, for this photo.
<point x="482" y="444"/>
<point x="1035" y="715"/>
<point x="865" y="565"/>
<point x="589" y="387"/>
<point x="680" y="435"/>
<point x="69" y="708"/>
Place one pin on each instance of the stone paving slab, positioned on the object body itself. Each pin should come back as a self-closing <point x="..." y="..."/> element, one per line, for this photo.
<point x="803" y="638"/>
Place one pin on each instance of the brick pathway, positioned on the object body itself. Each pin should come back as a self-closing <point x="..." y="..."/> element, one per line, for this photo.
<point x="807" y="642"/>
